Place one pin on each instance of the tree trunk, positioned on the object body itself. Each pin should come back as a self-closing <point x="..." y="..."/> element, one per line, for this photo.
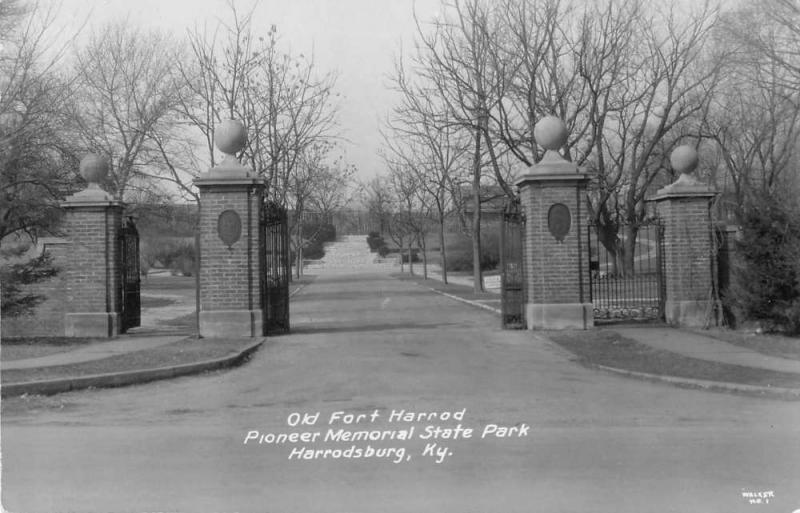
<point x="410" y="260"/>
<point x="300" y="270"/>
<point x="629" y="249"/>
<point x="424" y="259"/>
<point x="442" y="250"/>
<point x="610" y="241"/>
<point x="477" y="278"/>
<point x="299" y="251"/>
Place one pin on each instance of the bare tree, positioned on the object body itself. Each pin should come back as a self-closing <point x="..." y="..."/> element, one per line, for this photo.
<point x="332" y="187"/>
<point x="403" y="185"/>
<point x="630" y="82"/>
<point x="126" y="95"/>
<point x="284" y="104"/>
<point x="455" y="59"/>
<point x="421" y="138"/>
<point x="300" y="193"/>
<point x="320" y="187"/>
<point x="376" y="196"/>
<point x="37" y="160"/>
<point x="755" y="122"/>
<point x="772" y="32"/>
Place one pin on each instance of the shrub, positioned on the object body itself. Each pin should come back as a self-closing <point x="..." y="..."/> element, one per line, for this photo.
<point x="324" y="232"/>
<point x="459" y="254"/>
<point x="176" y="254"/>
<point x="13" y="298"/>
<point x="375" y="241"/>
<point x="314" y="250"/>
<point x="317" y="234"/>
<point x="414" y="255"/>
<point x="766" y="273"/>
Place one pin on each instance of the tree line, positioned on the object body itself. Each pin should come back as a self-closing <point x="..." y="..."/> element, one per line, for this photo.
<point x="149" y="102"/>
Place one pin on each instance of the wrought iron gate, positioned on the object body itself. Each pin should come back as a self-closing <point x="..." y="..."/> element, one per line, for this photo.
<point x="130" y="282"/>
<point x="512" y="281"/>
<point x="274" y="240"/>
<point x="626" y="269"/>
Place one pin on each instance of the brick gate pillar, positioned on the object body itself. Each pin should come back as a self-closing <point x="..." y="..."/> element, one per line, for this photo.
<point x="684" y="208"/>
<point x="91" y="270"/>
<point x="555" y="253"/>
<point x="231" y="196"/>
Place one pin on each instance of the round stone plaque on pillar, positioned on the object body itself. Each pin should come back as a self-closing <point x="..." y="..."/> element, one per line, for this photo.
<point x="229" y="227"/>
<point x="559" y="221"/>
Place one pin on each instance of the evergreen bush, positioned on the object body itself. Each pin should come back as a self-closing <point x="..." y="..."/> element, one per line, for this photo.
<point x="15" y="300"/>
<point x="375" y="241"/>
<point x="459" y="255"/>
<point x="766" y="273"/>
<point x="316" y="234"/>
<point x="177" y="254"/>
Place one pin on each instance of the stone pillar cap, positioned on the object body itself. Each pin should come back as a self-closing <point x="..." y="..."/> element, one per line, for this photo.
<point x="230" y="137"/>
<point x="93" y="169"/>
<point x="684" y="159"/>
<point x="551" y="133"/>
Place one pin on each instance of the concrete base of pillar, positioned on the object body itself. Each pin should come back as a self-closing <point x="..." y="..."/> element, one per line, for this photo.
<point x="695" y="314"/>
<point x="92" y="324"/>
<point x="559" y="316"/>
<point x="231" y="323"/>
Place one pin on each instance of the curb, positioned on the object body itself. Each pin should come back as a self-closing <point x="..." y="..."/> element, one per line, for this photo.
<point x="467" y="301"/>
<point x="776" y="392"/>
<point x="118" y="379"/>
<point x="298" y="289"/>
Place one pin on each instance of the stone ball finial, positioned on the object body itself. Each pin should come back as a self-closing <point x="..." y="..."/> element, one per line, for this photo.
<point x="551" y="133"/>
<point x="94" y="168"/>
<point x="684" y="159"/>
<point x="230" y="136"/>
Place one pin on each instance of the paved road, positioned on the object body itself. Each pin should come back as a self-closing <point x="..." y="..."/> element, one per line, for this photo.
<point x="595" y="442"/>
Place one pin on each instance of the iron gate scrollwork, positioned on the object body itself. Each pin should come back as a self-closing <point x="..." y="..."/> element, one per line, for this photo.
<point x="130" y="282"/>
<point x="626" y="271"/>
<point x="275" y="275"/>
<point x="512" y="280"/>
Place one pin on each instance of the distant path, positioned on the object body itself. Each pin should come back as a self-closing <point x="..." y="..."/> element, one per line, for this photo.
<point x="361" y="343"/>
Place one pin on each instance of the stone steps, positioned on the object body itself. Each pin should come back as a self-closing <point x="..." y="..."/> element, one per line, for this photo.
<point x="350" y="253"/>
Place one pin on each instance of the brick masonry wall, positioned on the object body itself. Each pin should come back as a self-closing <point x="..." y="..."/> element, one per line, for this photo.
<point x="556" y="272"/>
<point x="687" y="248"/>
<point x="47" y="319"/>
<point x="229" y="277"/>
<point x="92" y="273"/>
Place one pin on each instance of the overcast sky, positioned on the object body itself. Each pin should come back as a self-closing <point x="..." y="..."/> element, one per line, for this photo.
<point x="357" y="38"/>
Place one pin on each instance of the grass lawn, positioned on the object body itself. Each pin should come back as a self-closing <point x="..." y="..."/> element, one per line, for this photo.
<point x="176" y="289"/>
<point x="189" y="350"/>
<point x="768" y="344"/>
<point x="34" y="347"/>
<point x="158" y="291"/>
<point x="609" y="348"/>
